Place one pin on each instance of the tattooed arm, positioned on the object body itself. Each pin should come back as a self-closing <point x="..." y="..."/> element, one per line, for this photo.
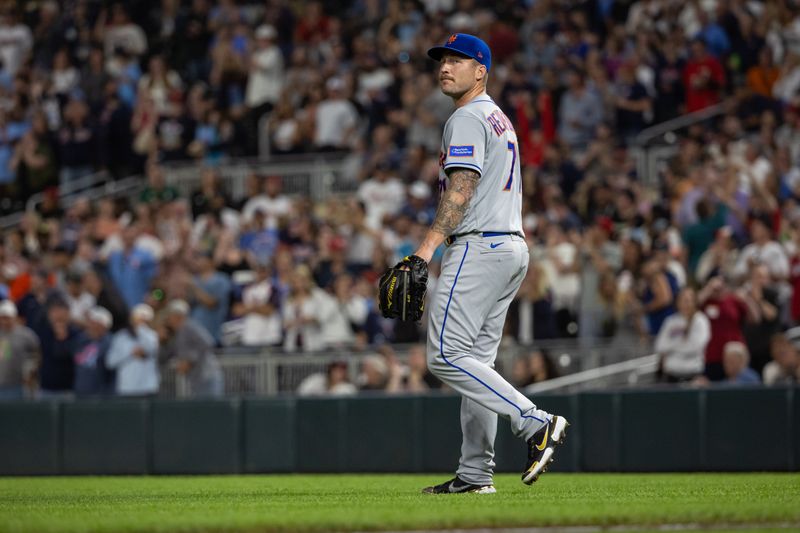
<point x="452" y="208"/>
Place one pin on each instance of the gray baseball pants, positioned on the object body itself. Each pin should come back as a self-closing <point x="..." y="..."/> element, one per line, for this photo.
<point x="467" y="311"/>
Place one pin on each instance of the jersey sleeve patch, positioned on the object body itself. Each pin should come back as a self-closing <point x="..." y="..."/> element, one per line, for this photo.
<point x="462" y="151"/>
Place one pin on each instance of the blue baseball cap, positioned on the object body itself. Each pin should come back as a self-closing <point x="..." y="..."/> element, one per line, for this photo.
<point x="466" y="45"/>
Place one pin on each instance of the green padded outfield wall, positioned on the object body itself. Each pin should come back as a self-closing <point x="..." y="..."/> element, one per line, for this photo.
<point x="30" y="442"/>
<point x="794" y="422"/>
<point x="629" y="431"/>
<point x="740" y="421"/>
<point x="196" y="437"/>
<point x="269" y="440"/>
<point x="101" y="437"/>
<point x="663" y="424"/>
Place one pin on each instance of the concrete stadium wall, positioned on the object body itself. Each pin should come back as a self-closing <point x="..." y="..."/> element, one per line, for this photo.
<point x="631" y="431"/>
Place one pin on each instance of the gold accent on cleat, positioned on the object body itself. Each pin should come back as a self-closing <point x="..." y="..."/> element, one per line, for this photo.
<point x="542" y="446"/>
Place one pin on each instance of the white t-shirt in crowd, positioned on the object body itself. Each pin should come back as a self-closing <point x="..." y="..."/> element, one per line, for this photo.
<point x="566" y="286"/>
<point x="381" y="198"/>
<point x="65" y="80"/>
<point x="285" y="134"/>
<point x="375" y="80"/>
<point x="317" y="385"/>
<point x="311" y="333"/>
<point x="279" y="206"/>
<point x="774" y="374"/>
<point x="147" y="242"/>
<point x="129" y="37"/>
<point x="334" y="119"/>
<point x="361" y="247"/>
<point x="258" y="329"/>
<point x="759" y="170"/>
<point x="684" y="352"/>
<point x="78" y="306"/>
<point x="337" y="316"/>
<point x="771" y="254"/>
<point x="15" y="42"/>
<point x="266" y="77"/>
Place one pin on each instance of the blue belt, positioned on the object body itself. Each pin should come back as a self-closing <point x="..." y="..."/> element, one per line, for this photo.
<point x="452" y="238"/>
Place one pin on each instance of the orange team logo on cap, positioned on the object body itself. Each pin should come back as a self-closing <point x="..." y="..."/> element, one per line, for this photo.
<point x="452" y="39"/>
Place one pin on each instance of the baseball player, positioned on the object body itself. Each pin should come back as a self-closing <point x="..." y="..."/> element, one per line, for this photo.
<point x="479" y="219"/>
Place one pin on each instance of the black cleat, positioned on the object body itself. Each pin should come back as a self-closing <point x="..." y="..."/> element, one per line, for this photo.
<point x="541" y="448"/>
<point x="457" y="486"/>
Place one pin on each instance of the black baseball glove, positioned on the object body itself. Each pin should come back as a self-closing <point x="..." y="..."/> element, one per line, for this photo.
<point x="401" y="292"/>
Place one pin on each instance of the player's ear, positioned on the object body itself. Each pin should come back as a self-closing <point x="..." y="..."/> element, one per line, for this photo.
<point x="481" y="72"/>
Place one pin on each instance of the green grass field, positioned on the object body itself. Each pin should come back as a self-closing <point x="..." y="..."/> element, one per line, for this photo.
<point x="392" y="502"/>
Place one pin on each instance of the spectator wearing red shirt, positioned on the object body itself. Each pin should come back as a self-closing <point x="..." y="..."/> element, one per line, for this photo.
<point x="795" y="281"/>
<point x="314" y="26"/>
<point x="503" y="41"/>
<point x="532" y="140"/>
<point x="727" y="313"/>
<point x="703" y="78"/>
<point x="794" y="271"/>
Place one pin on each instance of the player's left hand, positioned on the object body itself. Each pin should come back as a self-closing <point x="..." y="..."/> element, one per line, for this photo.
<point x="401" y="290"/>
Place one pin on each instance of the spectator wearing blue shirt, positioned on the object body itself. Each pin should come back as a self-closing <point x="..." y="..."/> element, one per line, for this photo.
<point x="126" y="71"/>
<point x="713" y="35"/>
<point x="4" y="288"/>
<point x="132" y="268"/>
<point x="660" y="288"/>
<point x="11" y="131"/>
<point x="134" y="355"/>
<point x="209" y="295"/>
<point x="92" y="376"/>
<point x="579" y="113"/>
<point x="259" y="241"/>
<point x="735" y="358"/>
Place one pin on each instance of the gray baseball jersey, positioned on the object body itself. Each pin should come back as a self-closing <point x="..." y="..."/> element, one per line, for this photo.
<point x="478" y="136"/>
<point x="481" y="272"/>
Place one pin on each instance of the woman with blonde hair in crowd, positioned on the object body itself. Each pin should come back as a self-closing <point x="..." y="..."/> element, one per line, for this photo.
<point x="301" y="313"/>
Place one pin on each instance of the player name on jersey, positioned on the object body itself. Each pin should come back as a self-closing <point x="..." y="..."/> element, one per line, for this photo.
<point x="499" y="122"/>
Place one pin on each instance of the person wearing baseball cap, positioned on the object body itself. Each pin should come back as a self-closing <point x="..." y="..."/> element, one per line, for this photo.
<point x="464" y="45"/>
<point x="92" y="377"/>
<point x="190" y="349"/>
<point x="134" y="355"/>
<point x="19" y="353"/>
<point x="480" y="209"/>
<point x="266" y="79"/>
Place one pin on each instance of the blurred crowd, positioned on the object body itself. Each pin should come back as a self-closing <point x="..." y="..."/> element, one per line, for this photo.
<point x="701" y="259"/>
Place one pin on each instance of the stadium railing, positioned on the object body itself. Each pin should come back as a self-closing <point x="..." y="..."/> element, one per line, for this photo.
<point x="317" y="175"/>
<point x="638" y="371"/>
<point x="655" y="145"/>
<point x="314" y="175"/>
<point x="583" y="364"/>
<point x="93" y="187"/>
